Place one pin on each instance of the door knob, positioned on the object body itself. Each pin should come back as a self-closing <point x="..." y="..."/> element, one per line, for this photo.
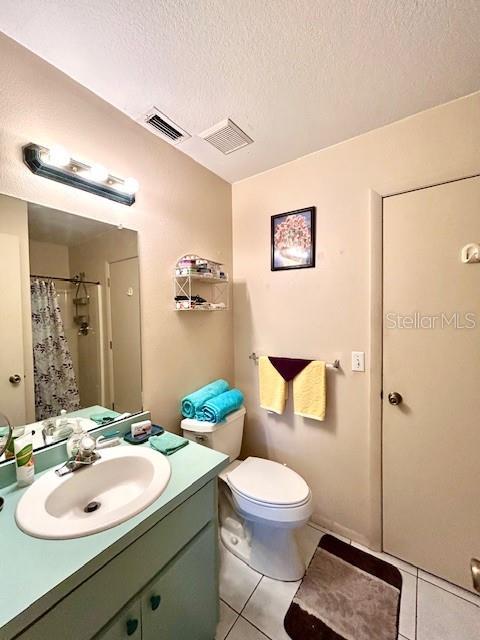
<point x="475" y="566"/>
<point x="395" y="398"/>
<point x="15" y="379"/>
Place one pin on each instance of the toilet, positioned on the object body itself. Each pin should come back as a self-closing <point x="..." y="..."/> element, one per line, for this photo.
<point x="261" y="503"/>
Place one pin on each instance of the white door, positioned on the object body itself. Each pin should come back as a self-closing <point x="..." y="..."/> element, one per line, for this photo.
<point x="431" y="440"/>
<point x="125" y="328"/>
<point x="12" y="387"/>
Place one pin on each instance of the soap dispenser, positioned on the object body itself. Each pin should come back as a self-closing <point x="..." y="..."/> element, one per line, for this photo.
<point x="74" y="439"/>
<point x="64" y="426"/>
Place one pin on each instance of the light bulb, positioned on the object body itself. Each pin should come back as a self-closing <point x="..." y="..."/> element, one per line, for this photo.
<point x="130" y="185"/>
<point x="58" y="156"/>
<point x="98" y="173"/>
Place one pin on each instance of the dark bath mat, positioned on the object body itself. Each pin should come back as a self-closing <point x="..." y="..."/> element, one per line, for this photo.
<point x="346" y="594"/>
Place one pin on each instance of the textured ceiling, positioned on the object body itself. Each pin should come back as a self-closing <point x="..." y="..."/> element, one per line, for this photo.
<point x="296" y="75"/>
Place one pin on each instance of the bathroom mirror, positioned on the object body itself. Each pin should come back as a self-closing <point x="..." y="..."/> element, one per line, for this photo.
<point x="70" y="318"/>
<point x="5" y="433"/>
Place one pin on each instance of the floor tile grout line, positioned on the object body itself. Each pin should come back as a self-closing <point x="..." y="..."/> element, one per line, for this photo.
<point x="250" y="596"/>
<point x="234" y="623"/>
<point x="255" y="626"/>
<point x="229" y="605"/>
<point x="416" y="606"/>
<point x="452" y="593"/>
<point x="231" y="628"/>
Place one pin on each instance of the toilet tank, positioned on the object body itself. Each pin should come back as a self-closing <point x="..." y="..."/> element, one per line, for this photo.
<point x="222" y="436"/>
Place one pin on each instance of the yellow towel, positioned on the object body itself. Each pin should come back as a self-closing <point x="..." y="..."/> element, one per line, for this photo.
<point x="309" y="391"/>
<point x="273" y="388"/>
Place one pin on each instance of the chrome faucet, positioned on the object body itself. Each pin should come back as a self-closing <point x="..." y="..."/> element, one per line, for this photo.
<point x="85" y="456"/>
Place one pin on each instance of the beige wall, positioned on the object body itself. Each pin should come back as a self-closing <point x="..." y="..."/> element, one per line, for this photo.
<point x="49" y="259"/>
<point x="325" y="312"/>
<point x="14" y="221"/>
<point x="92" y="257"/>
<point x="181" y="208"/>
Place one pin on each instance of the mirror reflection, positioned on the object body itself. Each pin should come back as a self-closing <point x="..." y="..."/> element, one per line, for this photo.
<point x="71" y="354"/>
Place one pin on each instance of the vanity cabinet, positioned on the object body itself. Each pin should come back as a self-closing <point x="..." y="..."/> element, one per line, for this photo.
<point x="179" y="603"/>
<point x="164" y="585"/>
<point x="126" y="624"/>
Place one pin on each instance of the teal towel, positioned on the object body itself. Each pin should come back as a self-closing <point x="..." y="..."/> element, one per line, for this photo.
<point x="194" y="401"/>
<point x="218" y="408"/>
<point x="103" y="418"/>
<point x="168" y="443"/>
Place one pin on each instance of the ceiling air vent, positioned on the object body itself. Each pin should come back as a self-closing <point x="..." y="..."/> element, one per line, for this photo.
<point x="162" y="126"/>
<point x="226" y="136"/>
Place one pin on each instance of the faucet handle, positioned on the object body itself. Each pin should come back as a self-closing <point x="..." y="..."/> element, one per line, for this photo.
<point x="85" y="456"/>
<point x="86" y="450"/>
<point x="87" y="445"/>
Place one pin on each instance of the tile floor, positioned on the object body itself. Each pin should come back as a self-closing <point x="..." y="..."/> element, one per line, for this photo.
<point x="252" y="606"/>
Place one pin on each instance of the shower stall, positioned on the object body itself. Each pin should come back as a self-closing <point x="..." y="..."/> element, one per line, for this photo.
<point x="68" y="334"/>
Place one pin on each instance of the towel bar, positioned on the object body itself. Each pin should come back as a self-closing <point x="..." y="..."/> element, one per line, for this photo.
<point x="330" y="365"/>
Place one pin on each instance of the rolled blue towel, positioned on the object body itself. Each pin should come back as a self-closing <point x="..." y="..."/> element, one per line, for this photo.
<point x="218" y="408"/>
<point x="194" y="401"/>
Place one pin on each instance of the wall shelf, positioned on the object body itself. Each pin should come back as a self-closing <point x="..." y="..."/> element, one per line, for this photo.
<point x="211" y="279"/>
<point x="200" y="284"/>
<point x="204" y="309"/>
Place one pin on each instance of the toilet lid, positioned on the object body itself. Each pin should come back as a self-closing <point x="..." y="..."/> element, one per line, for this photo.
<point x="268" y="482"/>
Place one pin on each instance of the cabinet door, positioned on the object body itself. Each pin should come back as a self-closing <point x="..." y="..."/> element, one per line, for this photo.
<point x="126" y="624"/>
<point x="182" y="602"/>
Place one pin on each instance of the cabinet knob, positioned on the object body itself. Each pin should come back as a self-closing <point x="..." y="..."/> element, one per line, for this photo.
<point x="155" y="602"/>
<point x="132" y="626"/>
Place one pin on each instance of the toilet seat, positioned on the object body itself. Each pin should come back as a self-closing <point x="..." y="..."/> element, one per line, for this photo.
<point x="261" y="503"/>
<point x="268" y="484"/>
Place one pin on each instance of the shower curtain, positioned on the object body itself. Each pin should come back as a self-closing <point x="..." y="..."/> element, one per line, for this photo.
<point x="53" y="373"/>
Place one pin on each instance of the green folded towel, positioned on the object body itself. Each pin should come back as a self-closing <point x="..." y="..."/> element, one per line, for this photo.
<point x="103" y="418"/>
<point x="168" y="443"/>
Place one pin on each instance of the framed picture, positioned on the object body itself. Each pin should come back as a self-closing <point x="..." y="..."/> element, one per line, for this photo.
<point x="293" y="240"/>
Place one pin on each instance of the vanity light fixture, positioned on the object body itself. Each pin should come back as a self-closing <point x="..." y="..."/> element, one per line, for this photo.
<point x="57" y="164"/>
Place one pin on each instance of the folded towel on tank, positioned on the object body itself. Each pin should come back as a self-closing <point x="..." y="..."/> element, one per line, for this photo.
<point x="218" y="408"/>
<point x="194" y="401"/>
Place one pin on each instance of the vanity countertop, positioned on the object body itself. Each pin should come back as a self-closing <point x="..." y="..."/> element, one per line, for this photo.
<point x="37" y="573"/>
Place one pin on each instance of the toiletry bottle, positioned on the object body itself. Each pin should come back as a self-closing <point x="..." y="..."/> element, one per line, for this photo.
<point x="16" y="433"/>
<point x="23" y="446"/>
<point x="64" y="426"/>
<point x="74" y="439"/>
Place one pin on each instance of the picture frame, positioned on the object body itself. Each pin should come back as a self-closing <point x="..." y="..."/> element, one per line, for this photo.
<point x="293" y="239"/>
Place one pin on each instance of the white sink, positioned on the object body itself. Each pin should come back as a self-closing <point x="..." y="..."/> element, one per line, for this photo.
<point x="123" y="482"/>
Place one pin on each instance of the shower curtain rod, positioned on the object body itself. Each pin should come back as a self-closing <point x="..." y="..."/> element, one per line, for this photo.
<point x="74" y="280"/>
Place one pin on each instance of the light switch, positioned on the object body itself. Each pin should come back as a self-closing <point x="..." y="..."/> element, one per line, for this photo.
<point x="358" y="361"/>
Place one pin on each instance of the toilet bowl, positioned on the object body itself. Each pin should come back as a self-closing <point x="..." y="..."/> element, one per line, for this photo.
<point x="261" y="502"/>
